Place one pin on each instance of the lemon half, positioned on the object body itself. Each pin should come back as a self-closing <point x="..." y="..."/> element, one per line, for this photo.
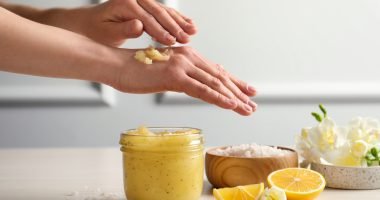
<point x="298" y="183"/>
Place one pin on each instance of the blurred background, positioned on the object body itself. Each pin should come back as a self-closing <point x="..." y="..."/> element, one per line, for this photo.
<point x="298" y="53"/>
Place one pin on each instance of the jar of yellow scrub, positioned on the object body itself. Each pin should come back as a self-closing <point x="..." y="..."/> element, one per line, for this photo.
<point x="163" y="163"/>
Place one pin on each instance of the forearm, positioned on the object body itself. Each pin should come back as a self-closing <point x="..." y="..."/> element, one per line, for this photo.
<point x="69" y="19"/>
<point x="21" y="10"/>
<point x="31" y="48"/>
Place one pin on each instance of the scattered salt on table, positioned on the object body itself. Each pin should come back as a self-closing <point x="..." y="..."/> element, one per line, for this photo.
<point x="93" y="194"/>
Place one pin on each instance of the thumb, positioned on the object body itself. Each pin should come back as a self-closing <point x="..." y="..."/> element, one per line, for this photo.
<point x="132" y="28"/>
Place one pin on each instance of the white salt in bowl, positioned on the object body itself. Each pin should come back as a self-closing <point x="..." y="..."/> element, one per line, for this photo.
<point x="231" y="171"/>
<point x="354" y="178"/>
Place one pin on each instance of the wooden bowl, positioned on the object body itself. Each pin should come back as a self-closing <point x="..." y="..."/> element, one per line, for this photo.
<point x="228" y="171"/>
<point x="352" y="178"/>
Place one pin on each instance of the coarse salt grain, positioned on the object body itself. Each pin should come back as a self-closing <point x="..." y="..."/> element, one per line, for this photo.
<point x="250" y="151"/>
<point x="93" y="194"/>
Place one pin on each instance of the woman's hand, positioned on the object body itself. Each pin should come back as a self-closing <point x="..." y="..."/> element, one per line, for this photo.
<point x="114" y="21"/>
<point x="186" y="71"/>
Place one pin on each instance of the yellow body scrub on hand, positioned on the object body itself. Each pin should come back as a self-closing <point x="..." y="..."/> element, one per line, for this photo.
<point x="163" y="163"/>
<point x="151" y="54"/>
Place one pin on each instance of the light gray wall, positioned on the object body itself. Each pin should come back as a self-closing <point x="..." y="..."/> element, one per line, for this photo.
<point x="265" y="42"/>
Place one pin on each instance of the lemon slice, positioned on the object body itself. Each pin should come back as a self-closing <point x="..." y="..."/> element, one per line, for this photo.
<point x="224" y="193"/>
<point x="247" y="192"/>
<point x="298" y="183"/>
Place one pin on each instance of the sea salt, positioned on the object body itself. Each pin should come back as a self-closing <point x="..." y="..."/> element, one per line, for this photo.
<point x="250" y="151"/>
<point x="93" y="194"/>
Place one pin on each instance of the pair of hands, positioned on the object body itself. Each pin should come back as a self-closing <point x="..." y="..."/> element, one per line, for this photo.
<point x="187" y="71"/>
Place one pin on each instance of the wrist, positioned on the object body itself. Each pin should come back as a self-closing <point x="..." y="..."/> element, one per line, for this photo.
<point x="107" y="65"/>
<point x="120" y="65"/>
<point x="113" y="66"/>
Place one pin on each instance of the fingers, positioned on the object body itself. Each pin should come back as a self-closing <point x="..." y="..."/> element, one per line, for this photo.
<point x="201" y="91"/>
<point x="223" y="88"/>
<point x="154" y="29"/>
<point x="218" y="70"/>
<point x="115" y="33"/>
<point x="132" y="28"/>
<point x="164" y="19"/>
<point x="185" y="17"/>
<point x="243" y="86"/>
<point x="185" y="23"/>
<point x="227" y="89"/>
<point x="212" y="82"/>
<point x="239" y="87"/>
<point x="245" y="105"/>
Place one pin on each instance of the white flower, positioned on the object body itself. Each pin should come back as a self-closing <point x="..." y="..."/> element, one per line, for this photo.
<point x="359" y="148"/>
<point x="273" y="193"/>
<point x="317" y="142"/>
<point x="305" y="147"/>
<point x="348" y="154"/>
<point x="366" y="129"/>
<point x="327" y="136"/>
<point x="345" y="146"/>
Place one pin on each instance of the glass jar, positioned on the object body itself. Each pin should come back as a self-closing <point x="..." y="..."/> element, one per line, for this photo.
<point x="163" y="166"/>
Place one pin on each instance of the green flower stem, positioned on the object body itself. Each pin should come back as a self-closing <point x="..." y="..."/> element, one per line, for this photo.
<point x="323" y="109"/>
<point x="317" y="116"/>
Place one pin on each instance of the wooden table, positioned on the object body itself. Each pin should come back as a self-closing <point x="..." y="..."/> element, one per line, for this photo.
<point x="65" y="174"/>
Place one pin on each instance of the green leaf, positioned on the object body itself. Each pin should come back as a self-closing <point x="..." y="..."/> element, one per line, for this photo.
<point x="378" y="150"/>
<point x="369" y="162"/>
<point x="375" y="152"/>
<point x="323" y="109"/>
<point x="370" y="157"/>
<point x="317" y="116"/>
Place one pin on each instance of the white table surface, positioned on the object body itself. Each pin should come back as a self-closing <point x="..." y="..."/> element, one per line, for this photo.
<point x="50" y="174"/>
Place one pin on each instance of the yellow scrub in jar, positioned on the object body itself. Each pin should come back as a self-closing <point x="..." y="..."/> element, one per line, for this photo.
<point x="163" y="163"/>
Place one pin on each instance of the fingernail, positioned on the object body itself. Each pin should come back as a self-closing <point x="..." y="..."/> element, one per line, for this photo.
<point x="189" y="26"/>
<point x="247" y="107"/>
<point x="189" y="20"/>
<point x="220" y="66"/>
<point x="251" y="89"/>
<point x="183" y="35"/>
<point x="170" y="37"/>
<point x="253" y="105"/>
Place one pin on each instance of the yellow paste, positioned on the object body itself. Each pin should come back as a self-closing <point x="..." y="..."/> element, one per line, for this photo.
<point x="163" y="163"/>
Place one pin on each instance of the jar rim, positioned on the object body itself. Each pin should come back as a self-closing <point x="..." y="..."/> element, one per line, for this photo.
<point x="155" y="129"/>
